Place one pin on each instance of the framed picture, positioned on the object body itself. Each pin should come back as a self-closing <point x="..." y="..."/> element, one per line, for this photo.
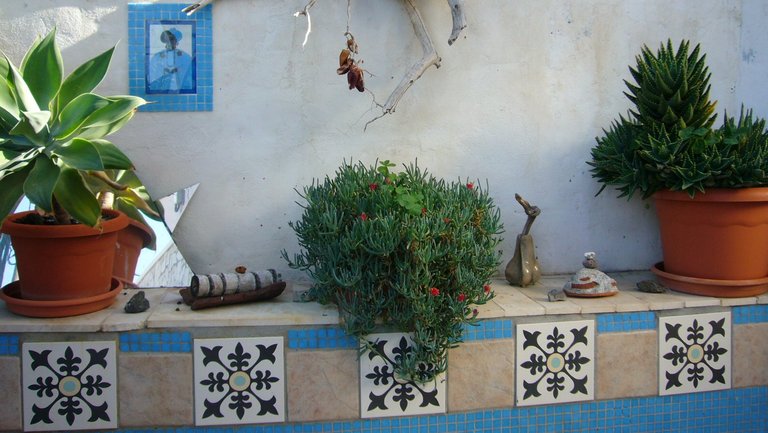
<point x="170" y="57"/>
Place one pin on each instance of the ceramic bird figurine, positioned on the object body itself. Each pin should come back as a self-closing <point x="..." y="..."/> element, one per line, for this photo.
<point x="523" y="269"/>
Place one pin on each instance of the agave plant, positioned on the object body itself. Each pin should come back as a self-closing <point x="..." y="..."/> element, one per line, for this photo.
<point x="52" y="133"/>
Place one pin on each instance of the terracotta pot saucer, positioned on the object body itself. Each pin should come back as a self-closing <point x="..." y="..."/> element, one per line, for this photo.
<point x="710" y="287"/>
<point x="64" y="308"/>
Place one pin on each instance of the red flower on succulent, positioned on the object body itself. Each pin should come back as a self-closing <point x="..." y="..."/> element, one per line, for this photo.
<point x="475" y="312"/>
<point x="470" y="185"/>
<point x="374" y="186"/>
<point x="434" y="291"/>
<point x="487" y="288"/>
<point x="363" y="216"/>
<point x="462" y="297"/>
<point x="423" y="211"/>
<point x="447" y="220"/>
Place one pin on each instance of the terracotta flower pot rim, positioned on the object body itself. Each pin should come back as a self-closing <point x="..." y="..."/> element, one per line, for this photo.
<point x="751" y="194"/>
<point x="118" y="221"/>
<point x="64" y="308"/>
<point x="145" y="231"/>
<point x="658" y="269"/>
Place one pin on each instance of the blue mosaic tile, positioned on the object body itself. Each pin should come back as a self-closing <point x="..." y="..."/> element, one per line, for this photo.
<point x="489" y="329"/>
<point x="194" y="52"/>
<point x="626" y="322"/>
<point x="742" y="410"/>
<point x="749" y="314"/>
<point x="321" y="338"/>
<point x="156" y="342"/>
<point x="9" y="345"/>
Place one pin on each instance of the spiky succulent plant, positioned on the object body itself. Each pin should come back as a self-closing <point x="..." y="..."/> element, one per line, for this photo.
<point x="671" y="89"/>
<point x="667" y="140"/>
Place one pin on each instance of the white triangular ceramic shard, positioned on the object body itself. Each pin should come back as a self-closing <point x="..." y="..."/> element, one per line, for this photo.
<point x="173" y="205"/>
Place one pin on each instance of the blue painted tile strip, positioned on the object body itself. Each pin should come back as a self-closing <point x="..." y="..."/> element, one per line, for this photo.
<point x="156" y="342"/>
<point x="626" y="322"/>
<point x="489" y="329"/>
<point x="742" y="410"/>
<point x="749" y="314"/>
<point x="9" y="345"/>
<point x="321" y="338"/>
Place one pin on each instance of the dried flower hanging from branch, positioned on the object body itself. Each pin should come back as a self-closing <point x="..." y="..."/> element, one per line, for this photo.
<point x="350" y="66"/>
<point x="355" y="72"/>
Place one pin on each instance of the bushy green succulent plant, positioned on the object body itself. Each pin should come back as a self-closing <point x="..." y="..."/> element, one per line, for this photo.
<point x="667" y="141"/>
<point x="400" y="249"/>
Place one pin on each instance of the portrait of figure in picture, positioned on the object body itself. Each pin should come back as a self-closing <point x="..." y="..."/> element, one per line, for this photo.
<point x="171" y="52"/>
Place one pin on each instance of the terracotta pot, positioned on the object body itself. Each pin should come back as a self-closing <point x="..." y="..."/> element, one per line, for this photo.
<point x="57" y="262"/>
<point x="721" y="235"/>
<point x="130" y="241"/>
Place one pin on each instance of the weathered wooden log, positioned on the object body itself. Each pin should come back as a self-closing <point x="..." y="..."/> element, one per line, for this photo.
<point x="262" y="294"/>
<point x="213" y="285"/>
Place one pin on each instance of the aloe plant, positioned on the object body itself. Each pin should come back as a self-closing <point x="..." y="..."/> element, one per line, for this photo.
<point x="671" y="90"/>
<point x="667" y="141"/>
<point x="52" y="132"/>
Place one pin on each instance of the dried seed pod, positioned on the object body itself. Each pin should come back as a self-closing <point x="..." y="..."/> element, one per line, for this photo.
<point x="344" y="68"/>
<point x="355" y="78"/>
<point x="351" y="44"/>
<point x="344" y="56"/>
<point x="352" y="79"/>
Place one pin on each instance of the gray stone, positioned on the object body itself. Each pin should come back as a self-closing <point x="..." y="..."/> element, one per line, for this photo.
<point x="555" y="295"/>
<point x="137" y="304"/>
<point x="651" y="286"/>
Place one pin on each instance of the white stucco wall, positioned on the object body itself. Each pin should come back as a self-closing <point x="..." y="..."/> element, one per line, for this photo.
<point x="518" y="101"/>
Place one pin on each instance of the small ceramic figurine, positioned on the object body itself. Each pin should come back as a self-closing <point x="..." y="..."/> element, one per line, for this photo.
<point x="589" y="282"/>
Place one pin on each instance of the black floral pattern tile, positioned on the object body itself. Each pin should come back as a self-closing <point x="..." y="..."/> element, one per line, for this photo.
<point x="69" y="386"/>
<point x="383" y="394"/>
<point x="239" y="381"/>
<point x="555" y="362"/>
<point x="694" y="353"/>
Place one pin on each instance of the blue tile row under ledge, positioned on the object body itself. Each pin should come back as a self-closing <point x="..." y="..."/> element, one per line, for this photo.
<point x="321" y="338"/>
<point x="156" y="342"/>
<point x="750" y="314"/>
<point x="626" y="322"/>
<point x="9" y="345"/>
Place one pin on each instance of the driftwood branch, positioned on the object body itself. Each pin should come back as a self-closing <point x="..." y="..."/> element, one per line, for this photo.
<point x="305" y="12"/>
<point x="459" y="20"/>
<point x="194" y="7"/>
<point x="428" y="58"/>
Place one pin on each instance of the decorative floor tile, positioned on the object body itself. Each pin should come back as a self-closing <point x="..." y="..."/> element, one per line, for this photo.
<point x="239" y="381"/>
<point x="383" y="394"/>
<point x="69" y="386"/>
<point x="694" y="353"/>
<point x="555" y="362"/>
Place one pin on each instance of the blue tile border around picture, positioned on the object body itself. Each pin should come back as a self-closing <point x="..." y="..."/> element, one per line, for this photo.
<point x="741" y="410"/>
<point x="202" y="97"/>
